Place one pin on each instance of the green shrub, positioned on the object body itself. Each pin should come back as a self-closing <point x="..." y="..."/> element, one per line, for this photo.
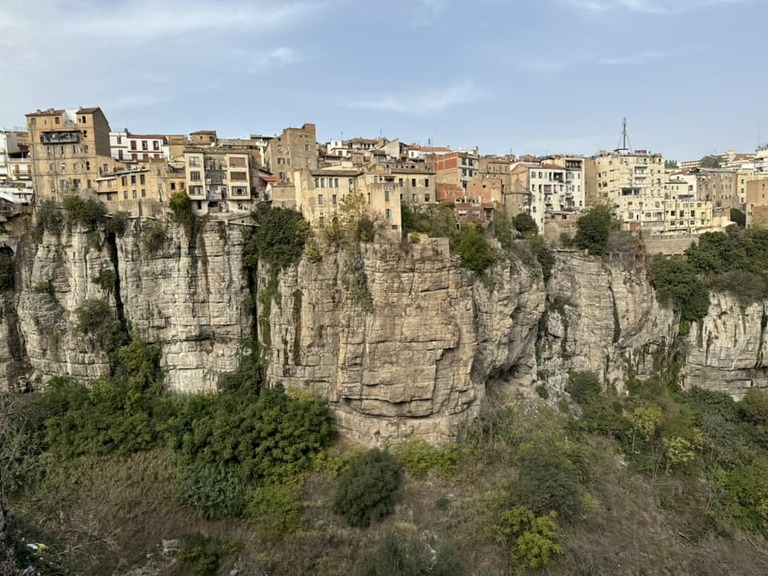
<point x="106" y="279"/>
<point x="584" y="387"/>
<point x="547" y="482"/>
<point x="544" y="256"/>
<point x="535" y="541"/>
<point x="116" y="223"/>
<point x="49" y="217"/>
<point x="276" y="509"/>
<point x="418" y="458"/>
<point x="265" y="436"/>
<point x="7" y="266"/>
<point x="398" y="553"/>
<point x="473" y="248"/>
<point x="95" y="319"/>
<point x="525" y="225"/>
<point x="279" y="238"/>
<point x="367" y="490"/>
<point x="153" y="237"/>
<point x="215" y="491"/>
<point x="203" y="556"/>
<point x="46" y="287"/>
<point x="503" y="229"/>
<point x="87" y="212"/>
<point x="678" y="286"/>
<point x="594" y="229"/>
<point x="181" y="207"/>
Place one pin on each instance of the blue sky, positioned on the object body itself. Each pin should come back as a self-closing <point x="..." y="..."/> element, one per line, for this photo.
<point x="527" y="76"/>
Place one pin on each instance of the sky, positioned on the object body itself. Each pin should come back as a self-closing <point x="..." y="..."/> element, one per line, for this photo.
<point x="520" y="76"/>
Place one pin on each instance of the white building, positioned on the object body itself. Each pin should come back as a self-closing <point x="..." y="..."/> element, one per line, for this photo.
<point x="137" y="147"/>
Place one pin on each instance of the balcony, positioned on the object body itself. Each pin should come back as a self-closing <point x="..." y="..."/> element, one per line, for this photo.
<point x="71" y="137"/>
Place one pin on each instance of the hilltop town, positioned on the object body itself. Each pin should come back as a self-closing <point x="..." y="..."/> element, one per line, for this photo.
<point x="75" y="151"/>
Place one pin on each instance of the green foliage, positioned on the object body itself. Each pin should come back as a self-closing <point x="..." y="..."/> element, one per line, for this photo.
<point x="87" y="212"/>
<point x="279" y="238"/>
<point x="49" y="218"/>
<point x="435" y="221"/>
<point x="153" y="237"/>
<point x="678" y="286"/>
<point x="95" y="319"/>
<point x="181" y="207"/>
<point x="116" y="223"/>
<point x="594" y="229"/>
<point x="525" y="225"/>
<point x="473" y="248"/>
<point x="745" y="495"/>
<point x="418" y="458"/>
<point x="548" y="481"/>
<point x="214" y="490"/>
<point x="544" y="256"/>
<point x="400" y="553"/>
<point x="203" y="556"/>
<point x="356" y="280"/>
<point x="584" y="387"/>
<point x="536" y="541"/>
<point x="503" y="229"/>
<point x="263" y="436"/>
<point x="276" y="509"/>
<point x="710" y="161"/>
<point x="368" y="488"/>
<point x="7" y="266"/>
<point x="106" y="279"/>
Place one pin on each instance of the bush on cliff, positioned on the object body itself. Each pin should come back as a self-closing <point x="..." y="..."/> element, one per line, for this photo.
<point x="366" y="491"/>
<point x="678" y="286"/>
<point x="594" y="230"/>
<point x="181" y="207"/>
<point x="87" y="212"/>
<point x="278" y="239"/>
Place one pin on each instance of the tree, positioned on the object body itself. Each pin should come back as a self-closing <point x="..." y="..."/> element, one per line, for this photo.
<point x="710" y="161"/>
<point x="678" y="286"/>
<point x="594" y="229"/>
<point x="525" y="225"/>
<point x="366" y="491"/>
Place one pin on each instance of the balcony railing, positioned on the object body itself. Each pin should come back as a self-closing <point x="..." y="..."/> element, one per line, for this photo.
<point x="72" y="137"/>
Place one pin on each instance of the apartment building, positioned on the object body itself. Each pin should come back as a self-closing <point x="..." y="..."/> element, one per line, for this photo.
<point x="15" y="164"/>
<point x="295" y="149"/>
<point x="718" y="186"/>
<point x="218" y="180"/>
<point x="128" y="187"/>
<point x="623" y="173"/>
<point x="541" y="188"/>
<point x="68" y="149"/>
<point x="456" y="168"/>
<point x="129" y="147"/>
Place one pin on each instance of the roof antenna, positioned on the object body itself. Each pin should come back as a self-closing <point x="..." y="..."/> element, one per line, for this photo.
<point x="624" y="144"/>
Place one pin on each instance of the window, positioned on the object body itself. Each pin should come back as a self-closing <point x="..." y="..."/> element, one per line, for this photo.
<point x="322" y="182"/>
<point x="317" y="183"/>
<point x="85" y="148"/>
<point x="388" y="213"/>
<point x="281" y="175"/>
<point x="173" y="185"/>
<point x="194" y="176"/>
<point x="124" y="180"/>
<point x="57" y="120"/>
<point x="194" y="161"/>
<point x="144" y="145"/>
<point x="142" y="179"/>
<point x="120" y="154"/>
<point x="426" y="198"/>
<point x="143" y="193"/>
<point x="63" y="167"/>
<point x="426" y="182"/>
<point x="74" y="149"/>
<point x="319" y="199"/>
<point x="335" y="182"/>
<point x="133" y="144"/>
<point x="133" y="193"/>
<point x="333" y="199"/>
<point x="155" y="145"/>
<point x="281" y="161"/>
<point x="119" y="139"/>
<point x="125" y="194"/>
<point x="413" y="182"/>
<point x="133" y="178"/>
<point x="400" y="181"/>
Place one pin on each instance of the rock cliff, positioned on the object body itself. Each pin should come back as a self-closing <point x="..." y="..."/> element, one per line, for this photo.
<point x="399" y="338"/>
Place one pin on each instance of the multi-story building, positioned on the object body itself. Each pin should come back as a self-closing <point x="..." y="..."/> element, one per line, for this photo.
<point x="622" y="174"/>
<point x="757" y="202"/>
<point x="295" y="149"/>
<point x="549" y="188"/>
<point x="415" y="152"/>
<point x="137" y="147"/>
<point x="15" y="165"/>
<point x="718" y="186"/>
<point x="69" y="149"/>
<point x="131" y="187"/>
<point x="218" y="179"/>
<point x="457" y="168"/>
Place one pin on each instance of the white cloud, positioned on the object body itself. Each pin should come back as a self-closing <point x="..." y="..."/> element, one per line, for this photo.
<point x="265" y="61"/>
<point x="545" y="66"/>
<point x="428" y="101"/>
<point x="633" y="58"/>
<point x="427" y="12"/>
<point x="646" y="6"/>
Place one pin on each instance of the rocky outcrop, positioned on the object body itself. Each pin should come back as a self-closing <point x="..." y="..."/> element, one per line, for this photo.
<point x="398" y="337"/>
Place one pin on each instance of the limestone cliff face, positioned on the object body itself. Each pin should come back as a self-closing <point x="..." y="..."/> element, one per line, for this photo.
<point x="727" y="350"/>
<point x="189" y="297"/>
<point x="604" y="318"/>
<point x="398" y="338"/>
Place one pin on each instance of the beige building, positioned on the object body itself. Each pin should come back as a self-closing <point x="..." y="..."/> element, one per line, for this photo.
<point x="69" y="149"/>
<point x="757" y="202"/>
<point x="623" y="174"/>
<point x="456" y="168"/>
<point x="551" y="188"/>
<point x="218" y="180"/>
<point x="130" y="187"/>
<point x="295" y="149"/>
<point x="718" y="186"/>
